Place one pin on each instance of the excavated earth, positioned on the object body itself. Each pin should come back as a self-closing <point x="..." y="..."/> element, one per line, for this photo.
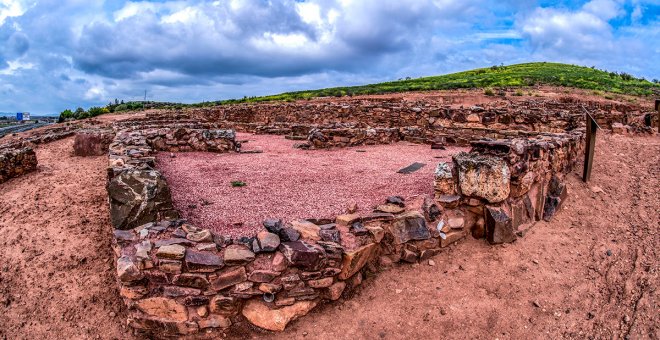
<point x="591" y="272"/>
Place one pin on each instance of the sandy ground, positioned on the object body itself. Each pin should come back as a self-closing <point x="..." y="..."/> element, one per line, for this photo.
<point x="56" y="276"/>
<point x="56" y="269"/>
<point x="288" y="183"/>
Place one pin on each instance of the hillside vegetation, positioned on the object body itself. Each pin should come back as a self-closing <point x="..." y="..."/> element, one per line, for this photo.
<point x="519" y="75"/>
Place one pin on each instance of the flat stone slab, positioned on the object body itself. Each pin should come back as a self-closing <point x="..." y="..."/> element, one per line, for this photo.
<point x="411" y="168"/>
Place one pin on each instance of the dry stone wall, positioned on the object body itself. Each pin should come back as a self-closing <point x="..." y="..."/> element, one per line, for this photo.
<point x="501" y="187"/>
<point x="16" y="159"/>
<point x="179" y="279"/>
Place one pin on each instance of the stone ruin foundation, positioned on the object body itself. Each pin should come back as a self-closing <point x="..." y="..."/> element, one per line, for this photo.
<point x="180" y="279"/>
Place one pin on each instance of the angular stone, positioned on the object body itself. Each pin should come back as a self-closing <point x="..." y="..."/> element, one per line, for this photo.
<point x="320" y="283"/>
<point x="133" y="292"/>
<point x="273" y="225"/>
<point x="449" y="201"/>
<point x="137" y="197"/>
<point x="409" y="226"/>
<point x="290" y="281"/>
<point x="163" y="308"/>
<point x="483" y="176"/>
<point x="302" y="255"/>
<point x="307" y="230"/>
<point x="396" y="200"/>
<point x="347" y="219"/>
<point x="202" y="261"/>
<point x="378" y="217"/>
<point x="260" y="315"/>
<point x="499" y="227"/>
<point x="331" y="235"/>
<point x="237" y="255"/>
<point x="389" y="208"/>
<point x="284" y="301"/>
<point x="522" y="185"/>
<point x="195" y="300"/>
<point x="173" y="251"/>
<point x="170" y="266"/>
<point x="279" y="262"/>
<point x="124" y="236"/>
<point x="303" y="293"/>
<point x="200" y="236"/>
<point x="270" y="288"/>
<point x="176" y="291"/>
<point x="142" y="250"/>
<point x="451" y="237"/>
<point x="557" y="194"/>
<point x="444" y="182"/>
<point x="353" y="261"/>
<point x="229" y="277"/>
<point x="262" y="275"/>
<point x="456" y="222"/>
<point x="224" y="305"/>
<point x="289" y="235"/>
<point x="376" y="232"/>
<point x="268" y="241"/>
<point x="174" y="240"/>
<point x="409" y="256"/>
<point x="207" y="246"/>
<point x="191" y="280"/>
<point x="335" y="291"/>
<point x="92" y="142"/>
<point x="127" y="271"/>
<point x="214" y="321"/>
<point x="358" y="229"/>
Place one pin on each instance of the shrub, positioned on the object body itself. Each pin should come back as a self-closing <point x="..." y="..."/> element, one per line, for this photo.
<point x="518" y="93"/>
<point x="489" y="92"/>
<point x="236" y="184"/>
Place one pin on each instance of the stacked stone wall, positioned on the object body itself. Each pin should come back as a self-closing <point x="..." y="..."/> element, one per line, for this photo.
<point x="16" y="159"/>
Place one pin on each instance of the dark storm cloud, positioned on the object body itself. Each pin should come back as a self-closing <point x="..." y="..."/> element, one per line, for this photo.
<point x="57" y="54"/>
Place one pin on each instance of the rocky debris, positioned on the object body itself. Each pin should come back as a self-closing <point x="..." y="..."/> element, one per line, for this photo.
<point x="444" y="182"/>
<point x="307" y="230"/>
<point x="127" y="271"/>
<point x="260" y="315"/>
<point x="483" y="176"/>
<point x="389" y="209"/>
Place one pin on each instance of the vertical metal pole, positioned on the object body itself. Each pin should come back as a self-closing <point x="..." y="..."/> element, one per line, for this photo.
<point x="657" y="108"/>
<point x="592" y="126"/>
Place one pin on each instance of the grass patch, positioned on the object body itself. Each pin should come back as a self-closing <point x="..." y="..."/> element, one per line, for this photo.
<point x="238" y="184"/>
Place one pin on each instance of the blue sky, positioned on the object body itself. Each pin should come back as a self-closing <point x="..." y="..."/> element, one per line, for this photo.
<point x="57" y="54"/>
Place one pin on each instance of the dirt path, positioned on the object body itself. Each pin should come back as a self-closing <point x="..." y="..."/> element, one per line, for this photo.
<point x="558" y="281"/>
<point x="56" y="270"/>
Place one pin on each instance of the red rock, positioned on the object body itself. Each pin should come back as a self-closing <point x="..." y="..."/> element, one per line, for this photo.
<point x="229" y="277"/>
<point x="260" y="315"/>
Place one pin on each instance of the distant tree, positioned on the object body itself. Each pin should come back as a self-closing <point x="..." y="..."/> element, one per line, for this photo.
<point x="64" y="115"/>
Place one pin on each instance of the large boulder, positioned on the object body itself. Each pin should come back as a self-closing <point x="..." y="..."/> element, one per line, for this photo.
<point x="138" y="197"/>
<point x="92" y="143"/>
<point x="483" y="176"/>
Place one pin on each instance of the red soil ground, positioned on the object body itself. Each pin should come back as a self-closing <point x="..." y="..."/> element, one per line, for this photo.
<point x="288" y="183"/>
<point x="57" y="279"/>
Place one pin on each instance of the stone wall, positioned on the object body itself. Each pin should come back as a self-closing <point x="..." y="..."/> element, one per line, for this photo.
<point x="538" y="114"/>
<point x="137" y="192"/>
<point x="179" y="279"/>
<point x="501" y="187"/>
<point x="16" y="159"/>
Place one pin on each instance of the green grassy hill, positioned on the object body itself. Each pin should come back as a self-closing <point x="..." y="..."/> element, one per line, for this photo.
<point x="519" y="75"/>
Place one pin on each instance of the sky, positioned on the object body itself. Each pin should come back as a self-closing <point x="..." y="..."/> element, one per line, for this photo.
<point x="59" y="54"/>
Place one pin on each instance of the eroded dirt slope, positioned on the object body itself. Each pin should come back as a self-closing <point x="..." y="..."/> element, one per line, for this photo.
<point x="56" y="277"/>
<point x="56" y="270"/>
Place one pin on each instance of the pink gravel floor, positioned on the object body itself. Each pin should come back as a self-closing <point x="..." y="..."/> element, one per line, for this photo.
<point x="288" y="183"/>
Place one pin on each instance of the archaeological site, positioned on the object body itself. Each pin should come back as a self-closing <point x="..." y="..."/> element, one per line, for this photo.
<point x="239" y="219"/>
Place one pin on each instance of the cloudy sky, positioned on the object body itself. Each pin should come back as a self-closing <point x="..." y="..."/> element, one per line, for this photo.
<point x="57" y="54"/>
